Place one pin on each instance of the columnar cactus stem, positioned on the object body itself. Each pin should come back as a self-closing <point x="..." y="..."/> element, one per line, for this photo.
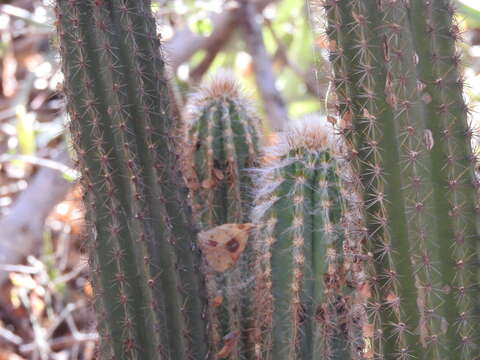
<point x="301" y="211"/>
<point x="399" y="91"/>
<point x="454" y="164"/>
<point x="222" y="145"/>
<point x="143" y="265"/>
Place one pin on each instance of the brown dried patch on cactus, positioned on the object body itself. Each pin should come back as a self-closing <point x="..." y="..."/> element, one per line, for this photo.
<point x="223" y="245"/>
<point x="229" y="342"/>
<point x="217" y="301"/>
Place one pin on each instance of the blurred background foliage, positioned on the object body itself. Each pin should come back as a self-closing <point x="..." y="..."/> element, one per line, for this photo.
<point x="44" y="295"/>
<point x="287" y="36"/>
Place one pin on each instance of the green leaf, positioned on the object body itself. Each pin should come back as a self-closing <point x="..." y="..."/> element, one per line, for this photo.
<point x="25" y="131"/>
<point x="201" y="25"/>
<point x="471" y="10"/>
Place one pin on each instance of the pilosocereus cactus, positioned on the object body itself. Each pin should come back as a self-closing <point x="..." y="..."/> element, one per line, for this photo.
<point x="402" y="174"/>
<point x="223" y="142"/>
<point x="399" y="92"/>
<point x="148" y="291"/>
<point x="307" y="247"/>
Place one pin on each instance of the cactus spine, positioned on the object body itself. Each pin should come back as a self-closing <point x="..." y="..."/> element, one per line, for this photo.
<point x="303" y="309"/>
<point x="148" y="289"/>
<point x="400" y="94"/>
<point x="222" y="144"/>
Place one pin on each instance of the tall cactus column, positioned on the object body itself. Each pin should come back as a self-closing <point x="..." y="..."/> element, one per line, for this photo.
<point x="399" y="96"/>
<point x="147" y="285"/>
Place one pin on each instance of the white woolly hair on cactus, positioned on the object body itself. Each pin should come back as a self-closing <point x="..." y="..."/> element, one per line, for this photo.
<point x="311" y="132"/>
<point x="221" y="85"/>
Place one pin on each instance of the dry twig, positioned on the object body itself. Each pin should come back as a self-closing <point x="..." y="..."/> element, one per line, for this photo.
<point x="262" y="64"/>
<point x="22" y="228"/>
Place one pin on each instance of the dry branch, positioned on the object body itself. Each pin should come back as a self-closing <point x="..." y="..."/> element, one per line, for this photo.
<point x="22" y="229"/>
<point x="262" y="65"/>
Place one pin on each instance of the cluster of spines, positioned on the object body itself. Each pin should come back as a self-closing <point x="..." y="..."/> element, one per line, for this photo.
<point x="143" y="266"/>
<point x="397" y="81"/>
<point x="223" y="141"/>
<point x="305" y="251"/>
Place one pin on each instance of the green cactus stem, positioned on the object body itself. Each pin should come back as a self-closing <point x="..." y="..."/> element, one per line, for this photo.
<point x="222" y="145"/>
<point x="305" y="248"/>
<point x="399" y="91"/>
<point x="148" y="288"/>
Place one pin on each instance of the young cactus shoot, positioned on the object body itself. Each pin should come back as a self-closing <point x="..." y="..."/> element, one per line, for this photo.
<point x="304" y="213"/>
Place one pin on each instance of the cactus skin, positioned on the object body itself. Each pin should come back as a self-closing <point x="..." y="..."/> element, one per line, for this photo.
<point x="304" y="251"/>
<point x="397" y="82"/>
<point x="148" y="290"/>
<point x="223" y="142"/>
